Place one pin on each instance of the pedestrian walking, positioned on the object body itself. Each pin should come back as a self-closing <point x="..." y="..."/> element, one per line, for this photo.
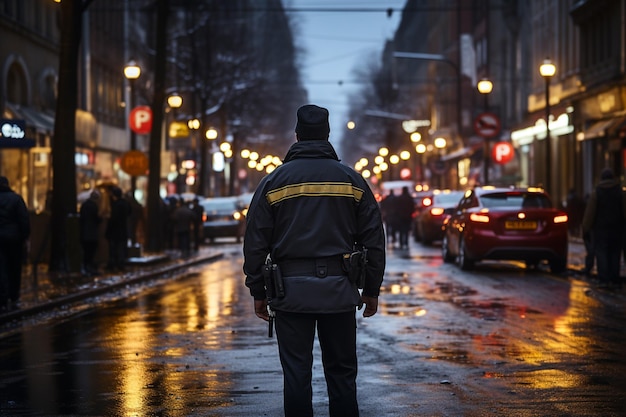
<point x="117" y="230"/>
<point x="575" y="210"/>
<point x="388" y="211"/>
<point x="183" y="219"/>
<point x="604" y="218"/>
<point x="14" y="232"/>
<point x="136" y="220"/>
<point x="308" y="216"/>
<point x="404" y="212"/>
<point x="89" y="220"/>
<point x="197" y="223"/>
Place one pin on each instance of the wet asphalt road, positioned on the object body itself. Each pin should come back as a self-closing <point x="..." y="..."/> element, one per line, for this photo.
<point x="497" y="341"/>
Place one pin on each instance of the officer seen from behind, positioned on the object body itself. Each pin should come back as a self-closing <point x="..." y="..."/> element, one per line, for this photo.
<point x="313" y="217"/>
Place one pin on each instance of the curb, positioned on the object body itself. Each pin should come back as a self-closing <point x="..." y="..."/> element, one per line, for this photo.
<point x="92" y="292"/>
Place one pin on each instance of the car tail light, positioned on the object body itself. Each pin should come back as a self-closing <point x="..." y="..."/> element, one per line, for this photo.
<point x="560" y="219"/>
<point x="427" y="201"/>
<point x="237" y="215"/>
<point x="204" y="217"/>
<point x="479" y="218"/>
<point x="436" y="211"/>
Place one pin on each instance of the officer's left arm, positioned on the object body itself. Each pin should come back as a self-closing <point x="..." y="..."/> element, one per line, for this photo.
<point x="370" y="233"/>
<point x="256" y="244"/>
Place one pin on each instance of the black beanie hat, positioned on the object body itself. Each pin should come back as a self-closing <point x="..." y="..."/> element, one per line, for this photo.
<point x="312" y="123"/>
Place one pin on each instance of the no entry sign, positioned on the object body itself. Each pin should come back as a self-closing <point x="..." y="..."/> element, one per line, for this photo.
<point x="487" y="125"/>
<point x="140" y="120"/>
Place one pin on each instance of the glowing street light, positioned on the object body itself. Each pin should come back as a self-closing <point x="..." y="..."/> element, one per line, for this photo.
<point x="211" y="134"/>
<point x="547" y="71"/>
<point x="175" y="100"/>
<point x="440" y="143"/>
<point x="416" y="137"/>
<point x="485" y="87"/>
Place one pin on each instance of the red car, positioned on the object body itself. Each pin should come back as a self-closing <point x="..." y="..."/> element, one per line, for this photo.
<point x="506" y="223"/>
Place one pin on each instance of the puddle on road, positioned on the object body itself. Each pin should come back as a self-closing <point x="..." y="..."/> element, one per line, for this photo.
<point x="543" y="378"/>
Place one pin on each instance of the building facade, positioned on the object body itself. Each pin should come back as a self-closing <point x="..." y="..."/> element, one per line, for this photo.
<point x="506" y="42"/>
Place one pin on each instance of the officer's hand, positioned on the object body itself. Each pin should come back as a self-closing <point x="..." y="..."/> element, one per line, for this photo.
<point x="260" y="309"/>
<point x="371" y="305"/>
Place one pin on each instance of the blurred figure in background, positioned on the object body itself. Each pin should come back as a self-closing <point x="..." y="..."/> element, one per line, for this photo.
<point x="604" y="218"/>
<point x="404" y="210"/>
<point x="183" y="220"/>
<point x="388" y="211"/>
<point x="136" y="219"/>
<point x="89" y="226"/>
<point x="197" y="223"/>
<point x="575" y="211"/>
<point x="14" y="232"/>
<point x="117" y="230"/>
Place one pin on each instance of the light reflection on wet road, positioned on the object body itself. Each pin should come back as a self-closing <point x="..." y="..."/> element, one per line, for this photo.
<point x="499" y="340"/>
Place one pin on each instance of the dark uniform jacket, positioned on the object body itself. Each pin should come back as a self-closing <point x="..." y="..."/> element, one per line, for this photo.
<point x="313" y="207"/>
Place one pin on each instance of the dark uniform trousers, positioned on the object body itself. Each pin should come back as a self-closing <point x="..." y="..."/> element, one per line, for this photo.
<point x="337" y="337"/>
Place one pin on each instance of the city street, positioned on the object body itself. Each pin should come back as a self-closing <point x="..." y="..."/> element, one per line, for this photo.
<point x="497" y="341"/>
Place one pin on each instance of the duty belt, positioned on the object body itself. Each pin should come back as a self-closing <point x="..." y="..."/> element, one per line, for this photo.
<point x="314" y="267"/>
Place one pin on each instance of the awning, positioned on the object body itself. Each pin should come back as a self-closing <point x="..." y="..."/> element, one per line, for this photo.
<point x="35" y="119"/>
<point x="603" y="128"/>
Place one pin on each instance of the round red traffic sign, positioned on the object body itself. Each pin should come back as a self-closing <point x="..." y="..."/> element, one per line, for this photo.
<point x="487" y="125"/>
<point x="140" y="120"/>
<point x="502" y="153"/>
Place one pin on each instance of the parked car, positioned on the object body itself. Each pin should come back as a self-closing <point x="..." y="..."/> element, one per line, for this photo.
<point x="436" y="208"/>
<point x="223" y="217"/>
<point x="506" y="223"/>
<point x="419" y="198"/>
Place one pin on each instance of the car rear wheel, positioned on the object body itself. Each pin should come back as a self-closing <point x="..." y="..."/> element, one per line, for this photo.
<point x="462" y="260"/>
<point x="558" y="266"/>
<point x="445" y="250"/>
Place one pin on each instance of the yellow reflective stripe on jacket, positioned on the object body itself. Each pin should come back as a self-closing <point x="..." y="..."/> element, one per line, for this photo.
<point x="315" y="189"/>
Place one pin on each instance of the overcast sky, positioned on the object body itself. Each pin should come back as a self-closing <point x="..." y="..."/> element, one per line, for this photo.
<point x="335" y="42"/>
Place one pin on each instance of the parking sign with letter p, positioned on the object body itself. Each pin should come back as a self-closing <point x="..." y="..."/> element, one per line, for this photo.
<point x="140" y="120"/>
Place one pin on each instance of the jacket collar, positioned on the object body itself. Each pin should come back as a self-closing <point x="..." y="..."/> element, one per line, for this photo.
<point x="311" y="149"/>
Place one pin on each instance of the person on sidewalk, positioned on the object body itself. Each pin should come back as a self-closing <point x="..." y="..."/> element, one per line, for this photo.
<point x="390" y="219"/>
<point x="307" y="215"/>
<point x="604" y="218"/>
<point x="14" y="232"/>
<point x="183" y="221"/>
<point x="117" y="230"/>
<point x="89" y="218"/>
<point x="404" y="212"/>
<point x="197" y="223"/>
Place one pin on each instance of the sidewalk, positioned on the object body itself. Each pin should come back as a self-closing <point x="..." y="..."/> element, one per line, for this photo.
<point x="43" y="291"/>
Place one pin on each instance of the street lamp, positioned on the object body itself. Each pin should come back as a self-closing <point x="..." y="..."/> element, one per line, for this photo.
<point x="484" y="87"/>
<point x="175" y="101"/>
<point x="547" y="71"/>
<point x="132" y="71"/>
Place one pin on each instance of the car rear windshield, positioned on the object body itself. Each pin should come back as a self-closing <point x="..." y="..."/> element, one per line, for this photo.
<point x="515" y="200"/>
<point x="226" y="205"/>
<point x="448" y="198"/>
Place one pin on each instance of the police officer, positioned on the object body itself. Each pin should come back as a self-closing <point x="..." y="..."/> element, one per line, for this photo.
<point x="306" y="215"/>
